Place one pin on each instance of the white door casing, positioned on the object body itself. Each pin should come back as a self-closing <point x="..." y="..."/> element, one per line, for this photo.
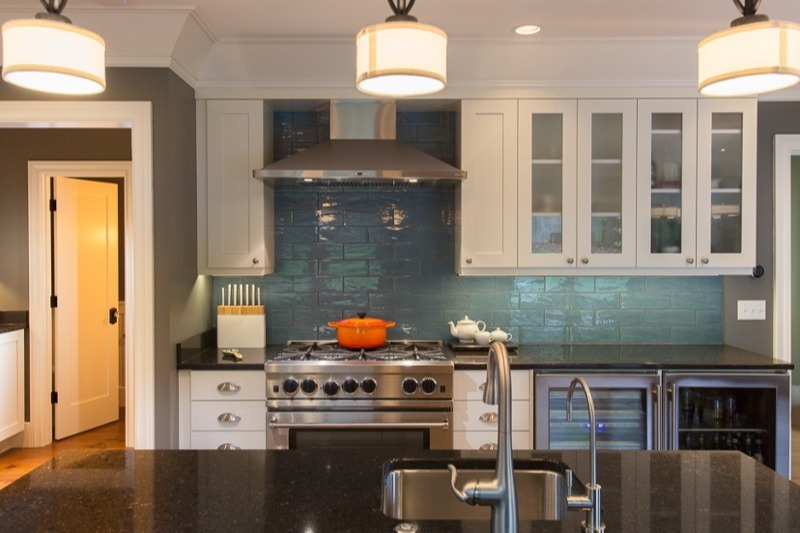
<point x="86" y="274"/>
<point x="139" y="274"/>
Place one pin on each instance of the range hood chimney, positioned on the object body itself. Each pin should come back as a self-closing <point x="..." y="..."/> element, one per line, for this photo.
<point x="363" y="150"/>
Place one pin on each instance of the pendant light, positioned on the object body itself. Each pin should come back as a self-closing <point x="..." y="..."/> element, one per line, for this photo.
<point x="755" y="55"/>
<point x="401" y="57"/>
<point x="49" y="54"/>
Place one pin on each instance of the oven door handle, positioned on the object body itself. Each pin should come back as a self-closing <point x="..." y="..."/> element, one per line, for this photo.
<point x="273" y="423"/>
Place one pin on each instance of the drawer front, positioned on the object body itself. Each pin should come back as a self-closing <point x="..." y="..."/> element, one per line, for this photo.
<point x="216" y="440"/>
<point x="479" y="416"/>
<point x="229" y="416"/>
<point x="473" y="440"/>
<point x="228" y="385"/>
<point x="466" y="384"/>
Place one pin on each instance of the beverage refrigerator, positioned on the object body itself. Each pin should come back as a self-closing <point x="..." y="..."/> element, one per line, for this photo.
<point x="744" y="412"/>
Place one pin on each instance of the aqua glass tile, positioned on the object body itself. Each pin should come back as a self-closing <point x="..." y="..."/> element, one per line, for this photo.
<point x="432" y="318"/>
<point x="394" y="268"/>
<point x="393" y="301"/>
<point x="344" y="268"/>
<point x="296" y="268"/>
<point x="672" y="284"/>
<point x="545" y="335"/>
<point x="343" y="300"/>
<point x="644" y="335"/>
<point x="521" y="318"/>
<point x="645" y="301"/>
<point x="317" y="284"/>
<point x="594" y="335"/>
<point x="346" y="201"/>
<point x="420" y="284"/>
<point x="544" y="300"/>
<point x="668" y="317"/>
<point x="522" y="284"/>
<point x="699" y="300"/>
<point x="290" y="300"/>
<point x="362" y="284"/>
<point x="295" y="234"/>
<point x="469" y="285"/>
<point x="618" y="317"/>
<point x="580" y="300"/>
<point x="342" y="234"/>
<point x="564" y="283"/>
<point x="495" y="301"/>
<point x="620" y="284"/>
<point x="314" y="317"/>
<point x="710" y="284"/>
<point x="374" y="251"/>
<point x="284" y="250"/>
<point x="317" y="217"/>
<point x="277" y="283"/>
<point x="560" y="317"/>
<point x="697" y="335"/>
<point x="319" y="250"/>
<point x="288" y="198"/>
<point x="363" y="218"/>
<point x="710" y="317"/>
<point x="278" y="320"/>
<point x="391" y="234"/>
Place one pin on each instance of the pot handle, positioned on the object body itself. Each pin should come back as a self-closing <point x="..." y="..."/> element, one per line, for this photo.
<point x="389" y="324"/>
<point x="333" y="324"/>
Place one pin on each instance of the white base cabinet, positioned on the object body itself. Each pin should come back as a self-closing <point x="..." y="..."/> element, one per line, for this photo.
<point x="475" y="423"/>
<point x="223" y="410"/>
<point x="12" y="384"/>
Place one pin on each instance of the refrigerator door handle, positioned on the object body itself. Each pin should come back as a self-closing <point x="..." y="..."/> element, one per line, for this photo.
<point x="669" y="419"/>
<point x="656" y="392"/>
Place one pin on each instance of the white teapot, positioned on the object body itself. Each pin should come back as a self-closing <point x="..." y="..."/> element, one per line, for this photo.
<point x="466" y="329"/>
<point x="500" y="335"/>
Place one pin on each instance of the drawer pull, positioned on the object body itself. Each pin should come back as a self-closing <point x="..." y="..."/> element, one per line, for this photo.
<point x="488" y="447"/>
<point x="227" y="386"/>
<point x="228" y="446"/>
<point x="488" y="417"/>
<point x="229" y="417"/>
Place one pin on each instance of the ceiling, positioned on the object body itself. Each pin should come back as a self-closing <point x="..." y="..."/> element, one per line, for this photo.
<point x="282" y="46"/>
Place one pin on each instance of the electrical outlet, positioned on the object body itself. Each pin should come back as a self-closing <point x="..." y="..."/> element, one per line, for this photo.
<point x="752" y="310"/>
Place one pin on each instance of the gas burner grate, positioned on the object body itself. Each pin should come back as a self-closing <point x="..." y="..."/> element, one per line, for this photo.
<point x="393" y="350"/>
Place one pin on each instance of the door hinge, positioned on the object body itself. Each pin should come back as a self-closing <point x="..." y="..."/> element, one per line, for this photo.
<point x="52" y="204"/>
<point x="54" y="397"/>
<point x="54" y="301"/>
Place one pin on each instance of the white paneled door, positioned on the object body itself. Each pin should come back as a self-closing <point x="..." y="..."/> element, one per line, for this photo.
<point x="86" y="360"/>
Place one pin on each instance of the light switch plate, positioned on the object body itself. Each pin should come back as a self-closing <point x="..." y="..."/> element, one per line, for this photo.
<point x="752" y="310"/>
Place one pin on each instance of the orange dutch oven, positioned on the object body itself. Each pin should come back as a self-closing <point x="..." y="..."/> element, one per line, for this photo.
<point x="361" y="332"/>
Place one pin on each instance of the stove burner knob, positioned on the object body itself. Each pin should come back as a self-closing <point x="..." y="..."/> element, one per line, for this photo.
<point x="309" y="386"/>
<point x="349" y="385"/>
<point x="428" y="385"/>
<point x="409" y="385"/>
<point x="368" y="385"/>
<point x="330" y="388"/>
<point x="290" y="386"/>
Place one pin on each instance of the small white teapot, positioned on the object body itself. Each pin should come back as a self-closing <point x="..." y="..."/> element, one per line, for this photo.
<point x="500" y="336"/>
<point x="466" y="329"/>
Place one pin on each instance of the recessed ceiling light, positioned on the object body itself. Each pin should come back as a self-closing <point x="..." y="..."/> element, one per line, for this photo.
<point x="527" y="29"/>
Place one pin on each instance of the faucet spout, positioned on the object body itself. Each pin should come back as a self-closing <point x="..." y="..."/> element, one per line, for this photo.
<point x="592" y="505"/>
<point x="499" y="492"/>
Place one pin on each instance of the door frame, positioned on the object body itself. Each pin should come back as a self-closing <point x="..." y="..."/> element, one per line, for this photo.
<point x="39" y="176"/>
<point x="139" y="271"/>
<point x="786" y="146"/>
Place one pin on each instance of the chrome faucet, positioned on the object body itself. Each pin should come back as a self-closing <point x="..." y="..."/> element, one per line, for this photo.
<point x="591" y="502"/>
<point x="499" y="492"/>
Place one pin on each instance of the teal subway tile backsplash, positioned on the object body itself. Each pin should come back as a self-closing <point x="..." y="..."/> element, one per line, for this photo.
<point x="391" y="253"/>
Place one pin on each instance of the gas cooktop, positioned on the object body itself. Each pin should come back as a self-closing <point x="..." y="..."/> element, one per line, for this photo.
<point x="393" y="350"/>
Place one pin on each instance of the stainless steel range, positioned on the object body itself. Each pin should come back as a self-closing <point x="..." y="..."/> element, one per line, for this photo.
<point x="320" y="394"/>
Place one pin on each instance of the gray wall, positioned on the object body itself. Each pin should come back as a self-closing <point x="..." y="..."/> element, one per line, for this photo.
<point x="773" y="118"/>
<point x="175" y="219"/>
<point x="796" y="267"/>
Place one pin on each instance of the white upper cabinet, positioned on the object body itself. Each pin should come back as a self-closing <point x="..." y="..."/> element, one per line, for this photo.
<point x="487" y="198"/>
<point x="235" y="216"/>
<point x="604" y="186"/>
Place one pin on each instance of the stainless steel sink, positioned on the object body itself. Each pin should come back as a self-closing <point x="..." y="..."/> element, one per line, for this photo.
<point x="419" y="489"/>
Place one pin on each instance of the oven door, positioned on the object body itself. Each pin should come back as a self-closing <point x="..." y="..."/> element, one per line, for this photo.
<point x="352" y="427"/>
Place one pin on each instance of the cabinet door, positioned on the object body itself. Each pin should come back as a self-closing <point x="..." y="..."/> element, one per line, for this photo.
<point x="726" y="183"/>
<point x="234" y="238"/>
<point x="607" y="183"/>
<point x="547" y="177"/>
<point x="12" y="386"/>
<point x="488" y="197"/>
<point x="667" y="183"/>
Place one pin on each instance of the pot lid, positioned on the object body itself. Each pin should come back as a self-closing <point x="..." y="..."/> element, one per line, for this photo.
<point x="362" y="321"/>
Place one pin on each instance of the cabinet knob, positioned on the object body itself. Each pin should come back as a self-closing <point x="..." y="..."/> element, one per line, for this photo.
<point x="570" y="260"/>
<point x="229" y="418"/>
<point x="489" y="446"/>
<point x="227" y="386"/>
<point x="482" y="386"/>
<point x="704" y="260"/>
<point x="228" y="446"/>
<point x="488" y="417"/>
<point x="690" y="260"/>
<point x="585" y="260"/>
<point x="255" y="260"/>
<point x="469" y="260"/>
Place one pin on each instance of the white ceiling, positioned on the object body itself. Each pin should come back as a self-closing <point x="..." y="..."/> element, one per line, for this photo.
<point x="306" y="47"/>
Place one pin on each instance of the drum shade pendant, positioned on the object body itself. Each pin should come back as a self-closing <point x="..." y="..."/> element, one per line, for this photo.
<point x="49" y="54"/>
<point x="755" y="55"/>
<point x="401" y="57"/>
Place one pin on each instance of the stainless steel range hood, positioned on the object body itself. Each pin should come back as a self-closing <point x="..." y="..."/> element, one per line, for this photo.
<point x="363" y="150"/>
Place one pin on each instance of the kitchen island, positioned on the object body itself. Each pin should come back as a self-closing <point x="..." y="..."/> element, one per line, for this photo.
<point x="340" y="491"/>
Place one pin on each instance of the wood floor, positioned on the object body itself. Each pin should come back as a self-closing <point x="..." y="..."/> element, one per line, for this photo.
<point x="17" y="462"/>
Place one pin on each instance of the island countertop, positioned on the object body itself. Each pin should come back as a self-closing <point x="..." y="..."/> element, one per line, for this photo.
<point x="340" y="491"/>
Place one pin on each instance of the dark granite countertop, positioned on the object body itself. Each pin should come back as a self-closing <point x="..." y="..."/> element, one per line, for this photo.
<point x="201" y="353"/>
<point x="13" y="320"/>
<point x="340" y="491"/>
